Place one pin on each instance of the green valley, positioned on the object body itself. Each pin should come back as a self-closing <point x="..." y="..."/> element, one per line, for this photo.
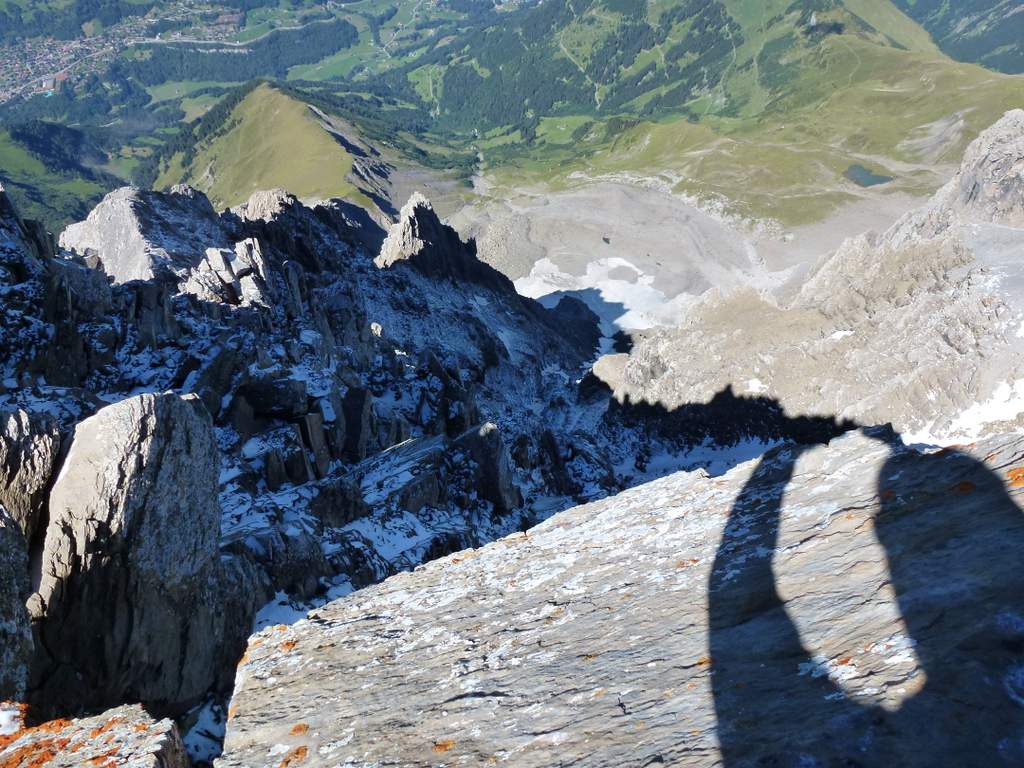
<point x="758" y="106"/>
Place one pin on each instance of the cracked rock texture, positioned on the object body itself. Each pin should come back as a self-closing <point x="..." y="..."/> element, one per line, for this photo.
<point x="127" y="602"/>
<point x="125" y="737"/>
<point x="858" y="603"/>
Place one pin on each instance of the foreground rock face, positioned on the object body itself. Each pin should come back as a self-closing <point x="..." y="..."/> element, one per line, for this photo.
<point x="125" y="737"/>
<point x="853" y="604"/>
<point x="127" y="600"/>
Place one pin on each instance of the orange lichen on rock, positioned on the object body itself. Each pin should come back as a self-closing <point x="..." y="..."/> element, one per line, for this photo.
<point x="965" y="486"/>
<point x="35" y="754"/>
<point x="104" y="759"/>
<point x="52" y="726"/>
<point x="101" y="729"/>
<point x="287" y="645"/>
<point x="299" y="728"/>
<point x="1016" y="477"/>
<point x="443" y="746"/>
<point x="294" y="757"/>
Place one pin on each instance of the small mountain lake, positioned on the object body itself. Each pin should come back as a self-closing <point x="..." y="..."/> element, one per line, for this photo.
<point x="863" y="177"/>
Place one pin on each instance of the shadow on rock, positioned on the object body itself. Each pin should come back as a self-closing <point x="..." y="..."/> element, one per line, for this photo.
<point x="953" y="553"/>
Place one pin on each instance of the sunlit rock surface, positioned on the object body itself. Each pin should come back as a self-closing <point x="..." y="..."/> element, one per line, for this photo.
<point x="859" y="603"/>
<point x="125" y="737"/>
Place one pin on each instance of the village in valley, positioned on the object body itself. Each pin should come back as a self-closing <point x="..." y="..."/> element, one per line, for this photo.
<point x="44" y="65"/>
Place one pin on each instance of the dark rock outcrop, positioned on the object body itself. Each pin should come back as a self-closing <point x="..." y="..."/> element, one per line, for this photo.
<point x="434" y="249"/>
<point x="15" y="631"/>
<point x="29" y="447"/>
<point x="487" y="450"/>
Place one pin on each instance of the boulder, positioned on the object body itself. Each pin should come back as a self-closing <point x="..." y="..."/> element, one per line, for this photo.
<point x="127" y="606"/>
<point x="280" y="397"/>
<point x="29" y="447"/>
<point x="332" y="412"/>
<point x="338" y="502"/>
<point x="312" y="428"/>
<point x="285" y="459"/>
<point x="147" y="307"/>
<point x="138" y="234"/>
<point x="250" y="271"/>
<point x="124" y="737"/>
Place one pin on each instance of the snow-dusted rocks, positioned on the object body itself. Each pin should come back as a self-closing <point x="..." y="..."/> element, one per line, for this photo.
<point x="29" y="446"/>
<point x="23" y="330"/>
<point x="855" y="603"/>
<point x="346" y="444"/>
<point x="433" y="248"/>
<point x="125" y="737"/>
<point x="127" y="607"/>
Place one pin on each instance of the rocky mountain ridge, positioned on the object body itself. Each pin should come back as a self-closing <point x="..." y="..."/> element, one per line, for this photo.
<point x="215" y="422"/>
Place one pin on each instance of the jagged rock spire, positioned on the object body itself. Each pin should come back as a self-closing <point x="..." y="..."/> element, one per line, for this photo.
<point x="420" y="239"/>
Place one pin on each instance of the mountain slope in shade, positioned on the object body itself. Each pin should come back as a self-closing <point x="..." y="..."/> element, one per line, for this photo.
<point x="990" y="32"/>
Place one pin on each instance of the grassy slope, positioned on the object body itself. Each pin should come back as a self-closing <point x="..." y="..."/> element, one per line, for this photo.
<point x="38" y="193"/>
<point x="863" y="103"/>
<point x="273" y="141"/>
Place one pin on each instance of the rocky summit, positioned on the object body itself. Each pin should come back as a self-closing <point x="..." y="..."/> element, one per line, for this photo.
<point x="293" y="485"/>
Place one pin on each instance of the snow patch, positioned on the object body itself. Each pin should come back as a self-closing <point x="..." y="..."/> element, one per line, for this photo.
<point x="204" y="741"/>
<point x="621" y="294"/>
<point x="1005" y="404"/>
